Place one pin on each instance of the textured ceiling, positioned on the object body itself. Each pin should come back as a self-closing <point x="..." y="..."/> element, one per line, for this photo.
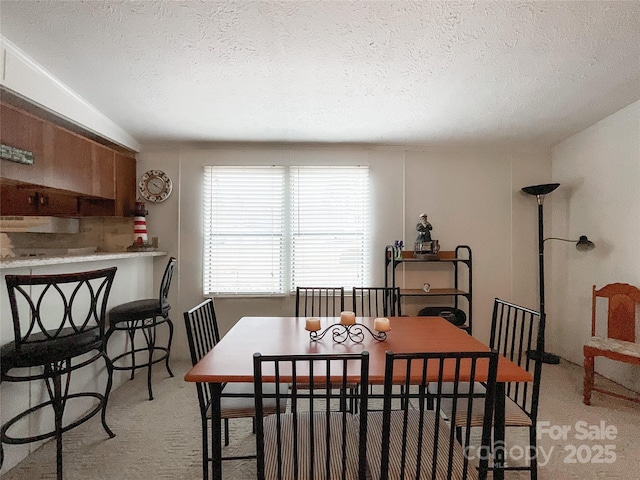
<point x="381" y="72"/>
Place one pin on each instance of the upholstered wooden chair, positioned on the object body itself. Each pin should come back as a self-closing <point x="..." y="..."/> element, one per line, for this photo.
<point x="620" y="340"/>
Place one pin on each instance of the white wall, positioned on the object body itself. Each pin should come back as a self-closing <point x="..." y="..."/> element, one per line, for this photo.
<point x="472" y="197"/>
<point x="599" y="196"/>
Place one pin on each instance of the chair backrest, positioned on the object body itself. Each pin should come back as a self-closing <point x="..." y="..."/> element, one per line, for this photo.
<point x="623" y="300"/>
<point x="49" y="307"/>
<point x="516" y="334"/>
<point x="311" y="439"/>
<point x="202" y="335"/>
<point x="165" y="284"/>
<point x="376" y="301"/>
<point x="319" y="301"/>
<point x="415" y="438"/>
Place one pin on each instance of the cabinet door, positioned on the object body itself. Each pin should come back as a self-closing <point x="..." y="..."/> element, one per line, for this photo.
<point x="55" y="203"/>
<point x="125" y="185"/>
<point x="72" y="163"/>
<point x="29" y="200"/>
<point x="20" y="130"/>
<point x="17" y="201"/>
<point x="103" y="172"/>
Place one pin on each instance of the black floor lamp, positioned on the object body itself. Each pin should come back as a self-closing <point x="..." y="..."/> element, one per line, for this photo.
<point x="583" y="244"/>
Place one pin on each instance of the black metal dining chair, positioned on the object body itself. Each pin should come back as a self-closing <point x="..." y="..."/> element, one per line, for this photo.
<point x="516" y="335"/>
<point x="376" y="301"/>
<point x="237" y="399"/>
<point x="144" y="316"/>
<point x="319" y="301"/>
<point x="322" y="302"/>
<point x="59" y="327"/>
<point x="415" y="442"/>
<point x="311" y="439"/>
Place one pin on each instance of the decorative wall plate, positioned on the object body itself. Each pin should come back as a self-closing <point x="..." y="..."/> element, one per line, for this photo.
<point x="155" y="186"/>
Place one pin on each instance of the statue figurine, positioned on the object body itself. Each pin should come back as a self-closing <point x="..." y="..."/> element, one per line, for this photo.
<point x="424" y="230"/>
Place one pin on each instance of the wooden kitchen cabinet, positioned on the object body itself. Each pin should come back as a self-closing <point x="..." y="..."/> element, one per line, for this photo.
<point x="26" y="199"/>
<point x="17" y="201"/>
<point x="24" y="131"/>
<point x="125" y="192"/>
<point x="71" y="156"/>
<point x="71" y="175"/>
<point x="126" y="185"/>
<point x="103" y="172"/>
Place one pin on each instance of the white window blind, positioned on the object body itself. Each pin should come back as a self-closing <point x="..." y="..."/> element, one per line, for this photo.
<point x="329" y="226"/>
<point x="244" y="230"/>
<point x="270" y="229"/>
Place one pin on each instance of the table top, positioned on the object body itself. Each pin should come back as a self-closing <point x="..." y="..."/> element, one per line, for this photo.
<point x="231" y="360"/>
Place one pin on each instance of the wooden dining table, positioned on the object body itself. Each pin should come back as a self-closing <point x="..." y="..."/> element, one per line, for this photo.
<point x="231" y="360"/>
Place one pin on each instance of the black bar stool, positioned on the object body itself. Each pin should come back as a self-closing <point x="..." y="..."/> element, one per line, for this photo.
<point x="59" y="323"/>
<point x="144" y="316"/>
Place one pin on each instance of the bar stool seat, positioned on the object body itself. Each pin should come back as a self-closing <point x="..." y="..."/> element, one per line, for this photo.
<point x="131" y="311"/>
<point x="44" y="350"/>
<point x="144" y="316"/>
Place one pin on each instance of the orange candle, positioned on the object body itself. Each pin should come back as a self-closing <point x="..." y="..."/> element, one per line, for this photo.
<point x="381" y="325"/>
<point x="313" y="324"/>
<point x="347" y="318"/>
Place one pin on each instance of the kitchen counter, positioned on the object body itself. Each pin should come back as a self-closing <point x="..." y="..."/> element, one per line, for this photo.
<point x="42" y="260"/>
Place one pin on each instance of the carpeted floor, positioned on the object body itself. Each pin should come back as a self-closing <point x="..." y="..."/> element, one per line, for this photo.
<point x="160" y="439"/>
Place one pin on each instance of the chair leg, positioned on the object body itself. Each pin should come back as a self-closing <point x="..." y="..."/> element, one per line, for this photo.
<point x="169" y="346"/>
<point x="132" y="335"/>
<point x="533" y="453"/>
<point x="151" y="343"/>
<point x="226" y="432"/>
<point x="107" y="392"/>
<point x="58" y="410"/>
<point x="588" y="379"/>
<point x="205" y="447"/>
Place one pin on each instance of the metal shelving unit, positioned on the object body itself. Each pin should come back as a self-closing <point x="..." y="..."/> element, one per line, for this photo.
<point x="460" y="257"/>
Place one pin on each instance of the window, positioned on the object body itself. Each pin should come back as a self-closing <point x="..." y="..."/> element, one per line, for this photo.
<point x="270" y="229"/>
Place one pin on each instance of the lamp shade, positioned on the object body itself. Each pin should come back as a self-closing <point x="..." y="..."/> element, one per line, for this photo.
<point x="584" y="244"/>
<point x="540" y="189"/>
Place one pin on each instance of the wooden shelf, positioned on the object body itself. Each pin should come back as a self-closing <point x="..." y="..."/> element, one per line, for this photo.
<point x="434" y="292"/>
<point x="443" y="256"/>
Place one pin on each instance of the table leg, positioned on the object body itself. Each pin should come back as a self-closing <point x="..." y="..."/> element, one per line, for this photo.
<point x="498" y="432"/>
<point x="216" y="431"/>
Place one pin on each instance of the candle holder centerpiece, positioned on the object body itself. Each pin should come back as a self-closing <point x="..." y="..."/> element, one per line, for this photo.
<point x="348" y="329"/>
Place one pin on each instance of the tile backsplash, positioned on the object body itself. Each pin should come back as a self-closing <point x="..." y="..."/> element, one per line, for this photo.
<point x="107" y="234"/>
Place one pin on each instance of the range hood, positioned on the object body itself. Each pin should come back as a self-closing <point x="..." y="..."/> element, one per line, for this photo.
<point x="34" y="224"/>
